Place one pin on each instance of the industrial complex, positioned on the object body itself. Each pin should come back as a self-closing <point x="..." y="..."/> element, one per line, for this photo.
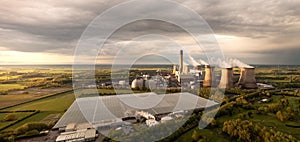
<point x="200" y="75"/>
<point x="89" y="115"/>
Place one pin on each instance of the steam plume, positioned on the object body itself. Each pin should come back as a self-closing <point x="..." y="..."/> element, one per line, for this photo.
<point x="238" y="63"/>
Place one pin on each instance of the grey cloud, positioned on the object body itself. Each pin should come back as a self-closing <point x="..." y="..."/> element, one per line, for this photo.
<point x="257" y="18"/>
<point x="55" y="26"/>
<point x="283" y="55"/>
<point x="48" y="25"/>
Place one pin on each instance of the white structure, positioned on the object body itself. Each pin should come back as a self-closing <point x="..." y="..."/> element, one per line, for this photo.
<point x="122" y="82"/>
<point x="264" y="86"/>
<point x="165" y="119"/>
<point x="149" y="82"/>
<point x="151" y="122"/>
<point x="144" y="114"/>
<point x="78" y="132"/>
<point x="108" y="111"/>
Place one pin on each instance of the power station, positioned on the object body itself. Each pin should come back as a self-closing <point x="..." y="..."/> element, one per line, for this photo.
<point x="199" y="75"/>
<point x="115" y="114"/>
<point x="193" y="75"/>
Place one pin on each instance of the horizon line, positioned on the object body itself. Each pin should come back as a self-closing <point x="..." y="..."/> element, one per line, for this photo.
<point x="70" y="64"/>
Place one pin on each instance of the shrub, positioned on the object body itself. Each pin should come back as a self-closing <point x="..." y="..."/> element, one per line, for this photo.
<point x="196" y="136"/>
<point x="10" y="117"/>
<point x="21" y="130"/>
<point x="3" y="92"/>
<point x="36" y="126"/>
<point x="32" y="133"/>
<point x="11" y="139"/>
<point x="29" y="127"/>
<point x="280" y="116"/>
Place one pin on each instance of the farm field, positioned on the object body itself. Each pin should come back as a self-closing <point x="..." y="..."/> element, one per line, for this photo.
<point x="6" y="87"/>
<point x="56" y="105"/>
<point x="91" y="92"/>
<point x="17" y="97"/>
<point x="208" y="134"/>
<point x="53" y="103"/>
<point x="50" y="93"/>
<point x="18" y="115"/>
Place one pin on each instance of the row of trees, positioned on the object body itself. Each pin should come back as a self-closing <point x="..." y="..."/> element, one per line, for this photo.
<point x="26" y="130"/>
<point x="10" y="117"/>
<point x="286" y="93"/>
<point x="282" y="109"/>
<point x="48" y="83"/>
<point x="164" y="129"/>
<point x="245" y="130"/>
<point x="288" y="114"/>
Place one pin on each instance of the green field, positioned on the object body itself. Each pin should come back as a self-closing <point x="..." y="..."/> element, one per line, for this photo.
<point x="91" y="92"/>
<point x="8" y="100"/>
<point x="6" y="87"/>
<point x="268" y="120"/>
<point x="9" y="77"/>
<point x="19" y="115"/>
<point x="17" y="97"/>
<point x="57" y="71"/>
<point x="35" y="118"/>
<point x="207" y="134"/>
<point x="51" y="105"/>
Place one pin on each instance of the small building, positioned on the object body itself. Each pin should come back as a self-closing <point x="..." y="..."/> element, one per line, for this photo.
<point x="165" y="119"/>
<point x="70" y="127"/>
<point x="151" y="122"/>
<point x="78" y="132"/>
<point x="78" y="135"/>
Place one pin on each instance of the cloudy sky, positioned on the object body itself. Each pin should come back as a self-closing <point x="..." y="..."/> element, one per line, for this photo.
<point x="47" y="31"/>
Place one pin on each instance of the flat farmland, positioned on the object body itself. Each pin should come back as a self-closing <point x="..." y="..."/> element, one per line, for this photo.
<point x="19" y="115"/>
<point x="58" y="102"/>
<point x="51" y="107"/>
<point x="6" y="87"/>
<point x="17" y="97"/>
<point x="9" y="77"/>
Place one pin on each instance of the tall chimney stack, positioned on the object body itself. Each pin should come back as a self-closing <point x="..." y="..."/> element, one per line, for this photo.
<point x="181" y="62"/>
<point x="247" y="79"/>
<point x="226" y="81"/>
<point x="208" y="77"/>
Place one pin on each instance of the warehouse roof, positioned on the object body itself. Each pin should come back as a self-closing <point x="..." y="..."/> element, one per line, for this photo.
<point x="108" y="108"/>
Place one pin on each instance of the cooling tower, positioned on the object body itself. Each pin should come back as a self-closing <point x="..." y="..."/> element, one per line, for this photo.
<point x="185" y="69"/>
<point x="134" y="83"/>
<point x="226" y="81"/>
<point x="174" y="69"/>
<point x="247" y="79"/>
<point x="208" y="77"/>
<point x="181" y="62"/>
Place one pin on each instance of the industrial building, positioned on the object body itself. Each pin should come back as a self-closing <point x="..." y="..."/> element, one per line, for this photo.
<point x="107" y="112"/>
<point x="77" y="132"/>
<point x="189" y="75"/>
<point x="151" y="82"/>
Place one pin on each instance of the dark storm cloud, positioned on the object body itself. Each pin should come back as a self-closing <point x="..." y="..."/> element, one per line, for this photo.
<point x="285" y="55"/>
<point x="50" y="26"/>
<point x="249" y="18"/>
<point x="55" y="26"/>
